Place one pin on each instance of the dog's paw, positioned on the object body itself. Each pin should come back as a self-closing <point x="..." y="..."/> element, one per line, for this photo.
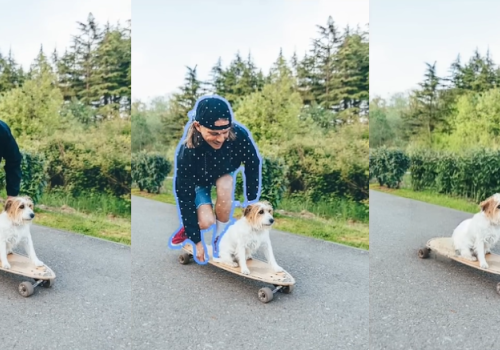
<point x="469" y="257"/>
<point x="484" y="265"/>
<point x="245" y="271"/>
<point x="249" y="257"/>
<point x="9" y="252"/>
<point x="6" y="265"/>
<point x="38" y="263"/>
<point x="277" y="268"/>
<point x="234" y="264"/>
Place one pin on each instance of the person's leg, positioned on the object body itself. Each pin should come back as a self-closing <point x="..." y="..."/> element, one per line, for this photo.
<point x="206" y="216"/>
<point x="225" y="189"/>
<point x="204" y="207"/>
<point x="203" y="202"/>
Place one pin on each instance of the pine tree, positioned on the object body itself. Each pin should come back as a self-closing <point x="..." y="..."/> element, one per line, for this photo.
<point x="324" y="49"/>
<point x="351" y="76"/>
<point x="11" y="75"/>
<point x="426" y="107"/>
<point x="217" y="79"/>
<point x="179" y="105"/>
<point x="85" y="53"/>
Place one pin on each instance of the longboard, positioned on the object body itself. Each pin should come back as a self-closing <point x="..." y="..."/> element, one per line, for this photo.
<point x="444" y="246"/>
<point x="21" y="265"/>
<point x="259" y="270"/>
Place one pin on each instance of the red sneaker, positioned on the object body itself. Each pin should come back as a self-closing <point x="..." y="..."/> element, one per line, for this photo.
<point x="179" y="237"/>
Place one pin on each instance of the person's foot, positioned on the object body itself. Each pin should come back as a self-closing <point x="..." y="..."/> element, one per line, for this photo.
<point x="179" y="237"/>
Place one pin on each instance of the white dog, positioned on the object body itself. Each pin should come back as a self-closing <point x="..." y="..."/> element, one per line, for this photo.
<point x="475" y="237"/>
<point x="15" y="222"/>
<point x="244" y="238"/>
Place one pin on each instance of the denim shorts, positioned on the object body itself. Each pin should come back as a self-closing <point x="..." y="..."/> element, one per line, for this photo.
<point x="204" y="194"/>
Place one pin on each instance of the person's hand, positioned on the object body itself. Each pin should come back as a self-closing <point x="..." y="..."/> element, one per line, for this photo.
<point x="200" y="252"/>
<point x="10" y="197"/>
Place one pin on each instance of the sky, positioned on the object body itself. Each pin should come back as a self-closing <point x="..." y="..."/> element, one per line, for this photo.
<point x="26" y="25"/>
<point x="404" y="35"/>
<point x="169" y="35"/>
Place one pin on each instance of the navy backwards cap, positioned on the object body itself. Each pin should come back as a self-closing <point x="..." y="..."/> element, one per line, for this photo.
<point x="211" y="109"/>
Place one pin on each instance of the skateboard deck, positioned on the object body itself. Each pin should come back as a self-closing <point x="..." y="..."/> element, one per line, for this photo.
<point x="444" y="246"/>
<point x="259" y="270"/>
<point x="21" y="265"/>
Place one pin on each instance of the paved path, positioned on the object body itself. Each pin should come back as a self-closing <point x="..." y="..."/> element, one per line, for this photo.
<point x="87" y="308"/>
<point x="435" y="303"/>
<point x="203" y="307"/>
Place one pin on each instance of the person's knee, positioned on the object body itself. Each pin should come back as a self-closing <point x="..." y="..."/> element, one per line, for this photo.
<point x="206" y="220"/>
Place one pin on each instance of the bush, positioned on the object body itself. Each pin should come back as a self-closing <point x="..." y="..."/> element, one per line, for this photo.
<point x="474" y="174"/>
<point x="83" y="167"/>
<point x="320" y="169"/>
<point x="149" y="170"/>
<point x="274" y="182"/>
<point x="34" y="178"/>
<point x="388" y="166"/>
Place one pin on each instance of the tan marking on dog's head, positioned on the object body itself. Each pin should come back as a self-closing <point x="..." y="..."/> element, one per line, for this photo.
<point x="16" y="208"/>
<point x="491" y="208"/>
<point x="259" y="214"/>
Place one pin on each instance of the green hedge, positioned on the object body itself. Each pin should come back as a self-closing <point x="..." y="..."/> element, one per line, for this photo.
<point x="388" y="166"/>
<point x="274" y="182"/>
<point x="320" y="173"/>
<point x="149" y="170"/>
<point x="34" y="179"/>
<point x="474" y="174"/>
<point x="80" y="168"/>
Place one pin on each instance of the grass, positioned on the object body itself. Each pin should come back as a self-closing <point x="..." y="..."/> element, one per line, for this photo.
<point x="338" y="208"/>
<point x="431" y="197"/>
<point x="339" y="221"/>
<point x="99" y="216"/>
<point x="95" y="203"/>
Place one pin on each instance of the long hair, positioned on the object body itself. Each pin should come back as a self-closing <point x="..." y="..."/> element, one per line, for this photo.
<point x="194" y="138"/>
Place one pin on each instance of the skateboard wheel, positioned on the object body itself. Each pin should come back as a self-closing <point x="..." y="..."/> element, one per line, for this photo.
<point x="47" y="283"/>
<point x="498" y="288"/>
<point x="26" y="289"/>
<point x="184" y="258"/>
<point x="265" y="294"/>
<point x="287" y="289"/>
<point x="423" y="253"/>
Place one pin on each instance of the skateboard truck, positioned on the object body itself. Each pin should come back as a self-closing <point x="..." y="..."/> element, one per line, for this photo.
<point x="26" y="288"/>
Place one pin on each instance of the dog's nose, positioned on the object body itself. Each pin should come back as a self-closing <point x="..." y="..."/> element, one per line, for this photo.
<point x="32" y="215"/>
<point x="271" y="220"/>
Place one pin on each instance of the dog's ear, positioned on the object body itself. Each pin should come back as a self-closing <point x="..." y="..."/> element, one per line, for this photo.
<point x="485" y="205"/>
<point x="248" y="209"/>
<point x="8" y="204"/>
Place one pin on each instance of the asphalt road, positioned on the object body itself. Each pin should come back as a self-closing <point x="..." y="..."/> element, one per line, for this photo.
<point x="87" y="308"/>
<point x="202" y="307"/>
<point x="433" y="303"/>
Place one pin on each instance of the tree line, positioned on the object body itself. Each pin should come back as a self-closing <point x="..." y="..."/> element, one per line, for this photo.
<point x="317" y="103"/>
<point x="95" y="70"/>
<point x="71" y="109"/>
<point x="457" y="111"/>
